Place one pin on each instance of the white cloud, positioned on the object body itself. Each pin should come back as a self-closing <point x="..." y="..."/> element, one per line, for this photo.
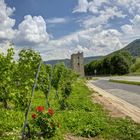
<point x="131" y="6"/>
<point x="56" y="20"/>
<point x="96" y="39"/>
<point x="4" y="46"/>
<point x="82" y="6"/>
<point x="105" y="15"/>
<point x="127" y="29"/>
<point x="91" y="6"/>
<point x="92" y="41"/>
<point x="81" y="49"/>
<point x="95" y="5"/>
<point x="132" y="30"/>
<point x="32" y="31"/>
<point x="136" y="23"/>
<point x="6" y="23"/>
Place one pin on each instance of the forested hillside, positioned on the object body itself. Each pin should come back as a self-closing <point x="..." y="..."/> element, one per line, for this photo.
<point x="133" y="48"/>
<point x="120" y="62"/>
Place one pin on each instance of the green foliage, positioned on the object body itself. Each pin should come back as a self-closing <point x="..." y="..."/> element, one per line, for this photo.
<point x="44" y="81"/>
<point x="62" y="81"/>
<point x="79" y="115"/>
<point x="24" y="76"/>
<point x="67" y="80"/>
<point x="82" y="118"/>
<point x="136" y="66"/>
<point x="6" y="76"/>
<point x="44" y="121"/>
<point x="88" y="125"/>
<point x="57" y="74"/>
<point x="122" y="129"/>
<point x="10" y="124"/>
<point x="117" y="63"/>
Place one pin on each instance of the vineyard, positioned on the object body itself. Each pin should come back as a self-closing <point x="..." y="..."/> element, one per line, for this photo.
<point x="38" y="101"/>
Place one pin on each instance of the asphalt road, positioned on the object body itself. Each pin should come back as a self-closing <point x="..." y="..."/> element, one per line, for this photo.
<point x="129" y="93"/>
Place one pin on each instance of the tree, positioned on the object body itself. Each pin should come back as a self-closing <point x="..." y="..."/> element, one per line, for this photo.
<point x="119" y="64"/>
<point x="116" y="63"/>
<point x="26" y="70"/>
<point x="56" y="77"/>
<point x="136" y="66"/>
<point x="106" y="65"/>
<point x="62" y="80"/>
<point x="45" y="80"/>
<point x="67" y="80"/>
<point x="6" y="76"/>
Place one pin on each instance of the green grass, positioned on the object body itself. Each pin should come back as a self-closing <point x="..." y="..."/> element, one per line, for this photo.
<point x="134" y="74"/>
<point x="81" y="118"/>
<point x="125" y="82"/>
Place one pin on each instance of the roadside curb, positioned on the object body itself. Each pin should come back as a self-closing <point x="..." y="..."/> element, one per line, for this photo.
<point x="125" y="107"/>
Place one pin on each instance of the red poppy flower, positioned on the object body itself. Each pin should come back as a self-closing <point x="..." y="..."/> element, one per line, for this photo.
<point x="34" y="116"/>
<point x="50" y="112"/>
<point x="40" y="108"/>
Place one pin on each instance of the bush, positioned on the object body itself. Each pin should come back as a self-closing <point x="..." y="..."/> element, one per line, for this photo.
<point x="136" y="66"/>
<point x="44" y="121"/>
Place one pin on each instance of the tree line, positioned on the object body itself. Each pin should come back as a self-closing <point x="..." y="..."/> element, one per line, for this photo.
<point x="114" y="64"/>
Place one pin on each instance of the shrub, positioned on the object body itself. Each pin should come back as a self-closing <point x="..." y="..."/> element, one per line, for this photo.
<point x="44" y="121"/>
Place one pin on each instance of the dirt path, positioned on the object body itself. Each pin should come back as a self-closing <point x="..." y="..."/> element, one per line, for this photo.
<point x="115" y="104"/>
<point x="112" y="110"/>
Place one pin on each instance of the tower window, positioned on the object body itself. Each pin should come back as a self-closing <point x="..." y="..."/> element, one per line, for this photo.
<point x="78" y="64"/>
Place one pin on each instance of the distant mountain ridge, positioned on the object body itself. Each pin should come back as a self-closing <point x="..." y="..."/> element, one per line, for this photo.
<point x="133" y="48"/>
<point x="67" y="61"/>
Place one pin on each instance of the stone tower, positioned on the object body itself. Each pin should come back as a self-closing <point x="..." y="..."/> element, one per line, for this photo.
<point x="77" y="63"/>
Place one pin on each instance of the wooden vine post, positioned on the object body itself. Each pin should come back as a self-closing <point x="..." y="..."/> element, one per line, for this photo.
<point x="29" y="105"/>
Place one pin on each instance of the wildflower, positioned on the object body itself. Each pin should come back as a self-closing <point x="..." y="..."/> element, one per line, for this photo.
<point x="40" y="108"/>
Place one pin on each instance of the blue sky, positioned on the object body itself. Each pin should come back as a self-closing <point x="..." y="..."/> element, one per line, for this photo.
<point x="48" y="9"/>
<point x="58" y="28"/>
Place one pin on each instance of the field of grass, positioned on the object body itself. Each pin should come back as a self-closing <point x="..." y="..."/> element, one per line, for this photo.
<point x="81" y="118"/>
<point x="125" y="82"/>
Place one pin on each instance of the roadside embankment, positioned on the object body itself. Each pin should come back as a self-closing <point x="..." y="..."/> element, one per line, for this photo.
<point x="121" y="105"/>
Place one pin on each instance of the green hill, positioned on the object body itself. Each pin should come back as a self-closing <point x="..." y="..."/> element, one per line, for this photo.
<point x="133" y="48"/>
<point x="67" y="61"/>
<point x="53" y="62"/>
